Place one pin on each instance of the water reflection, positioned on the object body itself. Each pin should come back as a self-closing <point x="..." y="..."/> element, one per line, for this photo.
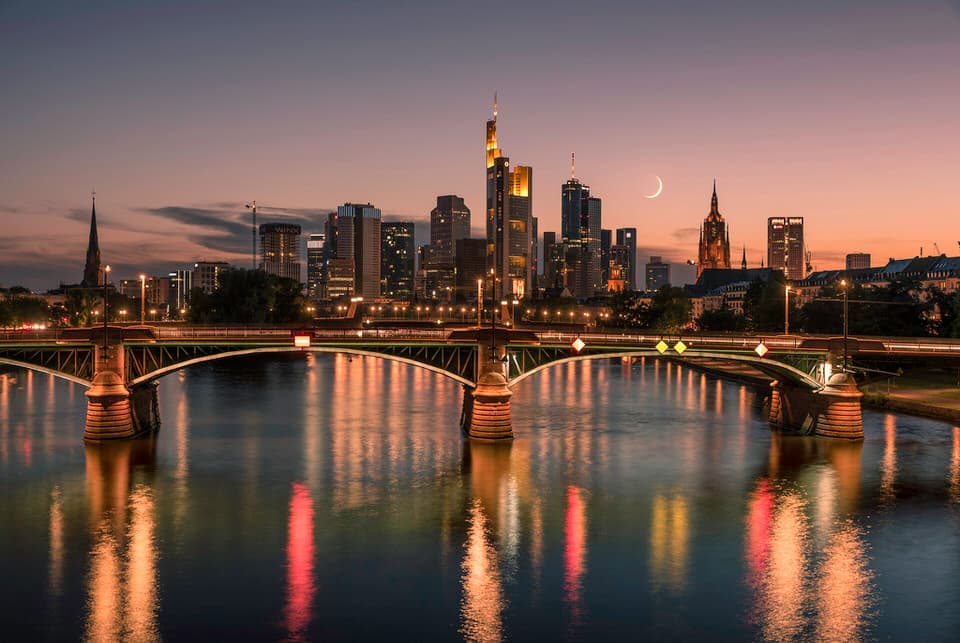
<point x="575" y="553"/>
<point x="889" y="466"/>
<point x="482" y="604"/>
<point x="955" y="467"/>
<point x="669" y="543"/>
<point x="122" y="597"/>
<point x="300" y="553"/>
<point x="56" y="542"/>
<point x="808" y="579"/>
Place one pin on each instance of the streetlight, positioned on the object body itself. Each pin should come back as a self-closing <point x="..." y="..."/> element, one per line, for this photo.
<point x="106" y="271"/>
<point x="843" y="284"/>
<point x="143" y="295"/>
<point x="513" y="305"/>
<point x="479" y="301"/>
<point x="123" y="315"/>
<point x="786" y="310"/>
<point x="153" y="314"/>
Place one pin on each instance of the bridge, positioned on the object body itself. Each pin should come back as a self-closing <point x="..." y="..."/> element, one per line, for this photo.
<point x="120" y="366"/>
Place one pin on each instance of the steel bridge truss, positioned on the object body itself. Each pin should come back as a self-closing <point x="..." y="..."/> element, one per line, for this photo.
<point x="74" y="361"/>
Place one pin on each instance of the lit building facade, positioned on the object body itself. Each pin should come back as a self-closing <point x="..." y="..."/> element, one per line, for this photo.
<point x="580" y="217"/>
<point x="785" y="246"/>
<point x="858" y="260"/>
<point x="206" y="275"/>
<point x="280" y="250"/>
<point x="509" y="219"/>
<point x="449" y="221"/>
<point x="628" y="237"/>
<point x="714" y="239"/>
<point x="357" y="232"/>
<point x="316" y="266"/>
<point x="397" y="259"/>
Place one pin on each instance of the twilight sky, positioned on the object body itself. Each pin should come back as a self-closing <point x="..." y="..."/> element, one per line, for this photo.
<point x="177" y="112"/>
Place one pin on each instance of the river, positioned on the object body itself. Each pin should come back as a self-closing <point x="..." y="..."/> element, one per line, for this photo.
<point x="317" y="497"/>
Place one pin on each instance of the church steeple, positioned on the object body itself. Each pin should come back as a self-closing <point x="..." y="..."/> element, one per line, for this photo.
<point x="91" y="271"/>
<point x="714" y="204"/>
<point x="743" y="262"/>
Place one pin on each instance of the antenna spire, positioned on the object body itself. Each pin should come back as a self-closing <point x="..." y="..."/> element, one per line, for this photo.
<point x="573" y="164"/>
<point x="494" y="105"/>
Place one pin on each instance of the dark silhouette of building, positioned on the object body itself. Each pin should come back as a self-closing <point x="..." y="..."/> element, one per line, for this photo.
<point x="316" y="266"/>
<point x="858" y="260"/>
<point x="471" y="266"/>
<point x="714" y="239"/>
<point x="606" y="240"/>
<point x="657" y="274"/>
<point x="398" y="254"/>
<point x="91" y="270"/>
<point x="785" y="246"/>
<point x="449" y="221"/>
<point x="628" y="237"/>
<point x="280" y="250"/>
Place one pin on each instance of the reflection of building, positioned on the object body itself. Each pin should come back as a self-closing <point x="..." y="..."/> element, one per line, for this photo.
<point x="280" y="250"/>
<point x="397" y="259"/>
<point x="714" y="239"/>
<point x="509" y="219"/>
<point x="657" y="274"/>
<point x="785" y="245"/>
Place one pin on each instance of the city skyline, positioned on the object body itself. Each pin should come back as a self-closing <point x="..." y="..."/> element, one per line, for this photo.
<point x="177" y="124"/>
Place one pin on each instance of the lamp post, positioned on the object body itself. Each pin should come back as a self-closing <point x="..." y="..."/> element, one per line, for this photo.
<point x="786" y="310"/>
<point x="843" y="284"/>
<point x="143" y="295"/>
<point x="106" y="271"/>
<point x="479" y="301"/>
<point x="513" y="311"/>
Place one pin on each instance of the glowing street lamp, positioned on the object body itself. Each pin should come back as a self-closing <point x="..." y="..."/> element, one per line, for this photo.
<point x="106" y="272"/>
<point x="479" y="301"/>
<point x="143" y="295"/>
<point x="786" y="310"/>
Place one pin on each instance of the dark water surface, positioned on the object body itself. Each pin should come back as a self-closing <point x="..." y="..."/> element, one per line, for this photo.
<point x="317" y="498"/>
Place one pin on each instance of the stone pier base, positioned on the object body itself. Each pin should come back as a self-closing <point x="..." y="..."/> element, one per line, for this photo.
<point x="487" y="415"/>
<point x="109" y="416"/>
<point x="834" y="411"/>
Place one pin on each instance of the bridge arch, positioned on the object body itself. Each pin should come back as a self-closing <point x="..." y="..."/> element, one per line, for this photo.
<point x="49" y="371"/>
<point x="776" y="370"/>
<point x="157" y="374"/>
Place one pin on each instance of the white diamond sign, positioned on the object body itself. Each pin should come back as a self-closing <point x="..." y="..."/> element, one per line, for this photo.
<point x="761" y="349"/>
<point x="577" y="344"/>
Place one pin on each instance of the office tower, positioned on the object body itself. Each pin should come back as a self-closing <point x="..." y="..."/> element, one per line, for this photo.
<point x="628" y="237"/>
<point x="181" y="283"/>
<point x="657" y="274"/>
<point x="397" y="259"/>
<point x="206" y="275"/>
<point x="280" y="250"/>
<point x="618" y="269"/>
<point x="580" y="221"/>
<point x="509" y="219"/>
<point x="91" y="270"/>
<point x="471" y="266"/>
<point x="449" y="221"/>
<point x="552" y="261"/>
<point x="606" y="240"/>
<point x="785" y="246"/>
<point x="535" y="254"/>
<point x="858" y="260"/>
<point x="316" y="266"/>
<point x="354" y="237"/>
<point x="714" y="239"/>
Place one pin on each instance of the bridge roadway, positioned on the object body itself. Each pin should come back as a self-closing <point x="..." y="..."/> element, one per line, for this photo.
<point x="124" y="371"/>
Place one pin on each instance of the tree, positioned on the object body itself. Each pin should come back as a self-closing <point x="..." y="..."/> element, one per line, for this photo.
<point x="763" y="305"/>
<point x="249" y="297"/>
<point x="79" y="305"/>
<point x="670" y="310"/>
<point x="724" y="319"/>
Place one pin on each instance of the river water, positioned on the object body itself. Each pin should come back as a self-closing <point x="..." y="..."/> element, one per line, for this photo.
<point x="323" y="498"/>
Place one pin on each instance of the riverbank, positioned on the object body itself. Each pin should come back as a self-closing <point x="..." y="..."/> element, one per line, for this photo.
<point x="930" y="394"/>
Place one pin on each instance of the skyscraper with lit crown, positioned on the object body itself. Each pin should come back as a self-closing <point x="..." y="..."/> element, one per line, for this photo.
<point x="714" y="239"/>
<point x="509" y="219"/>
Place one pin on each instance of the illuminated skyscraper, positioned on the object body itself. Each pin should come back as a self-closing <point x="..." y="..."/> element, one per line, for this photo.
<point x="91" y="271"/>
<point x="280" y="250"/>
<point x="580" y="215"/>
<point x="353" y="234"/>
<point x="785" y="246"/>
<point x="398" y="253"/>
<point x="509" y="219"/>
<point x="449" y="221"/>
<point x="714" y="239"/>
<point x="628" y="237"/>
<point x="316" y="266"/>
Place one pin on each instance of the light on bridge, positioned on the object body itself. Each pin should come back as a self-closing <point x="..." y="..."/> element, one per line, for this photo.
<point x="301" y="341"/>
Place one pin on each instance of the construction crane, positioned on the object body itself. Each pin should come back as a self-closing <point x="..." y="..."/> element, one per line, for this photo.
<point x="937" y="248"/>
<point x="252" y="206"/>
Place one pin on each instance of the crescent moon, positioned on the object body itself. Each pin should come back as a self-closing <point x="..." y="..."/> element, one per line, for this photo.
<point x="657" y="193"/>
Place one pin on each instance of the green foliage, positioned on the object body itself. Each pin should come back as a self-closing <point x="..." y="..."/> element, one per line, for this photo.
<point x="723" y="319"/>
<point x="895" y="310"/>
<point x="17" y="309"/>
<point x="763" y="305"/>
<point x="668" y="311"/>
<point x="79" y="305"/>
<point x="249" y="297"/>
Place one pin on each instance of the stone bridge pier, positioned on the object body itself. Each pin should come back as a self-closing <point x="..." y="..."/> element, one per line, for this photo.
<point x="833" y="411"/>
<point x="115" y="411"/>
<point x="486" y="408"/>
